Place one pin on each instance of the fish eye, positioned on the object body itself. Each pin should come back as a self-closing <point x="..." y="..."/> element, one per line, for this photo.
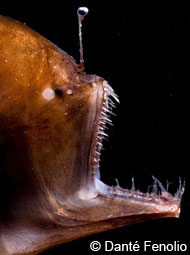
<point x="58" y="92"/>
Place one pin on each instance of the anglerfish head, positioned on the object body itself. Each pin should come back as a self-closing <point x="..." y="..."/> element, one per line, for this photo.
<point x="53" y="119"/>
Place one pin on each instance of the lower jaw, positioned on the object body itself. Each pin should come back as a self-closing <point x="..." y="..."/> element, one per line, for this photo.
<point x="160" y="198"/>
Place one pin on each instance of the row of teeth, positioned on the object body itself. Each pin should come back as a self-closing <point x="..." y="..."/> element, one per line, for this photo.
<point x="158" y="191"/>
<point x="108" y="105"/>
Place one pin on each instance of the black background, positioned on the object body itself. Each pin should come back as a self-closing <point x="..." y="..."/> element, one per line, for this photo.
<point x="143" y="49"/>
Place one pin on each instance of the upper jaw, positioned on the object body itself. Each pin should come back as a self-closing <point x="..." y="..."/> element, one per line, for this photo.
<point x="104" y="110"/>
<point x="100" y="109"/>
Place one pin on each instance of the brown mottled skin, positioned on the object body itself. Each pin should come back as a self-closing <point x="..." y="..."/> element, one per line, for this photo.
<point x="46" y="146"/>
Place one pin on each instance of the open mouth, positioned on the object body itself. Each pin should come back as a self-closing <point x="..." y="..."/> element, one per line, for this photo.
<point x="159" y="195"/>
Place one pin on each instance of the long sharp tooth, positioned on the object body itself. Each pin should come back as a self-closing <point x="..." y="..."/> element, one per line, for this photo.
<point x="112" y="104"/>
<point x="102" y="133"/>
<point x="102" y="122"/>
<point x="115" y="97"/>
<point x="103" y="113"/>
<point x="110" y="112"/>
<point x="107" y="119"/>
<point x="99" y="144"/>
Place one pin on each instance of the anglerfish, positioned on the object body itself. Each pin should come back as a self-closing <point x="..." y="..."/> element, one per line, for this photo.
<point x="52" y="123"/>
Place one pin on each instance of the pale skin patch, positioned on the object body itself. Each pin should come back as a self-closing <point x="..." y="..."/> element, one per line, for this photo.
<point x="61" y="74"/>
<point x="86" y="194"/>
<point x="48" y="94"/>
